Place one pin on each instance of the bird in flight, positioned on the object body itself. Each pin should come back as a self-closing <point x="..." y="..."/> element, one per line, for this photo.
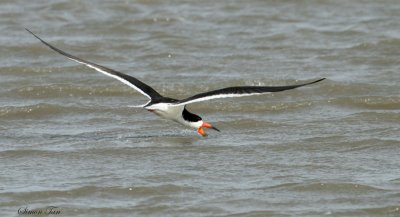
<point x="174" y="109"/>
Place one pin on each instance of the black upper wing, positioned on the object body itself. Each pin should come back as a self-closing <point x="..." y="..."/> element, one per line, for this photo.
<point x="239" y="92"/>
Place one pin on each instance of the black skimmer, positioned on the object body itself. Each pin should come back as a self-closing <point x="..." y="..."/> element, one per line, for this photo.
<point x="174" y="109"/>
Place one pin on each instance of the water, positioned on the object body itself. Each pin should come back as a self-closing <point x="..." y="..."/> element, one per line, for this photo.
<point x="69" y="138"/>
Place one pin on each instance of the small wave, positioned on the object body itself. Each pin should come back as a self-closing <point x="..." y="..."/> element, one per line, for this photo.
<point x="159" y="19"/>
<point x="370" y="102"/>
<point x="26" y="152"/>
<point x="367" y="144"/>
<point x="134" y="191"/>
<point x="378" y="211"/>
<point x="332" y="187"/>
<point x="391" y="43"/>
<point x="378" y="116"/>
<point x="344" y="88"/>
<point x="19" y="71"/>
<point x="38" y="111"/>
<point x="67" y="90"/>
<point x="343" y="32"/>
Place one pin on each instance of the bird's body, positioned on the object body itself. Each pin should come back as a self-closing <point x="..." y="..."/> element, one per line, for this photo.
<point x="174" y="109"/>
<point x="167" y="109"/>
<point x="178" y="114"/>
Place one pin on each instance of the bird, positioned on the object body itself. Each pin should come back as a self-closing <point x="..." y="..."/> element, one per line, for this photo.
<point x="175" y="109"/>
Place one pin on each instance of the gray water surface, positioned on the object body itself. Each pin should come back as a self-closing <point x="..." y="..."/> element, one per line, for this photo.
<point x="69" y="138"/>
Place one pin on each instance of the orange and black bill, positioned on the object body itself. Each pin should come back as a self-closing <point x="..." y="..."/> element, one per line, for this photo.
<point x="206" y="125"/>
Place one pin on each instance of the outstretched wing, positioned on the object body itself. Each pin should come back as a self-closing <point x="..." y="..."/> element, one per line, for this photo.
<point x="124" y="78"/>
<point x="238" y="92"/>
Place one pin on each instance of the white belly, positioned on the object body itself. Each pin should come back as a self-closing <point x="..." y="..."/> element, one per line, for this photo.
<point x="166" y="111"/>
<point x="173" y="113"/>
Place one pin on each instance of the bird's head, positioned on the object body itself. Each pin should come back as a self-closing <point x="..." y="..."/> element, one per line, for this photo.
<point x="201" y="131"/>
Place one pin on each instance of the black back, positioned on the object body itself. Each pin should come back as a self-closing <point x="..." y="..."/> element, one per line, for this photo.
<point x="190" y="116"/>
